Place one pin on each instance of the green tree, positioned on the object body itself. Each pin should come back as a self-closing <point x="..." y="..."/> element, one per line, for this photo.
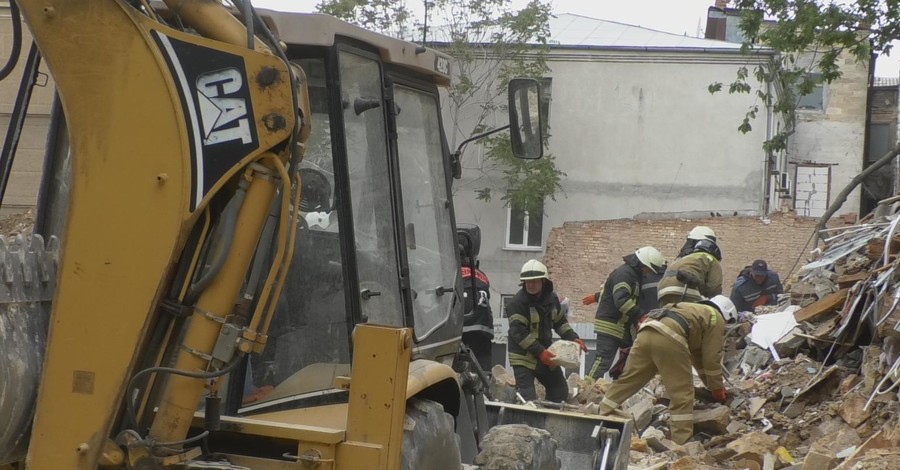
<point x="811" y="38"/>
<point x="490" y="42"/>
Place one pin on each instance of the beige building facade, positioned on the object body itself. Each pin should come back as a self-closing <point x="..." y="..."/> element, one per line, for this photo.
<point x="22" y="187"/>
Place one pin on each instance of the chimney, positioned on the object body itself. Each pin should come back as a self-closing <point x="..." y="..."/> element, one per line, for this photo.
<point x="721" y="4"/>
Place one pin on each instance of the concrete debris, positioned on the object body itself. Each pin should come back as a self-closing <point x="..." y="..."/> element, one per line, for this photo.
<point x="517" y="447"/>
<point x="853" y="409"/>
<point x="713" y="421"/>
<point x="568" y="353"/>
<point x="812" y="382"/>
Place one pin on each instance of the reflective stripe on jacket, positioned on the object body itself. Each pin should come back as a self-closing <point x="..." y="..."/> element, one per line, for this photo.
<point x="478" y="316"/>
<point x="705" y="338"/>
<point x="532" y="320"/>
<point x="619" y="308"/>
<point x="746" y="292"/>
<point x="702" y="266"/>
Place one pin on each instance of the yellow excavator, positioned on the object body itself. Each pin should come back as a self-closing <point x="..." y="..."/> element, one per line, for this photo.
<point x="244" y="253"/>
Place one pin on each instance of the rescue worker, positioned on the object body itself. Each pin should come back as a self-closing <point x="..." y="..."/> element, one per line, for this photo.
<point x="533" y="313"/>
<point x="478" y="320"/>
<point x="755" y="286"/>
<point x="672" y="340"/>
<point x="697" y="273"/>
<point x="620" y="305"/>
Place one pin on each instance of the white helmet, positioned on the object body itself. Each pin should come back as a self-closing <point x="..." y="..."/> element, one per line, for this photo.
<point x="702" y="232"/>
<point x="533" y="269"/>
<point x="726" y="306"/>
<point x="651" y="258"/>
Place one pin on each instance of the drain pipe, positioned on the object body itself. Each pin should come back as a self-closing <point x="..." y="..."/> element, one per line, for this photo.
<point x="766" y="201"/>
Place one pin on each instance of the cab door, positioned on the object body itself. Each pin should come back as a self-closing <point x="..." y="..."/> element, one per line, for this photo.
<point x="370" y="188"/>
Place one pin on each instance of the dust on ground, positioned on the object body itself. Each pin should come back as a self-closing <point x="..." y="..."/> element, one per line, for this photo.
<point x="18" y="223"/>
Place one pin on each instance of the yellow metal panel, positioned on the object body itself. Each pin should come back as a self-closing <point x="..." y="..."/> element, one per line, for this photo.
<point x="377" y="396"/>
<point x="362" y="456"/>
<point x="128" y="214"/>
<point x="123" y="223"/>
<point x="266" y="464"/>
<point x="259" y="427"/>
<point x="328" y="416"/>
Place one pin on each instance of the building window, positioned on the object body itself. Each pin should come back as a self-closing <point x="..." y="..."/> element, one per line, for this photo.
<point x="815" y="99"/>
<point x="505" y="299"/>
<point x="523" y="230"/>
<point x="812" y="185"/>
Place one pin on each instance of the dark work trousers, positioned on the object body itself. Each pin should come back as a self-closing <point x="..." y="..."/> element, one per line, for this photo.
<point x="607" y="346"/>
<point x="480" y="344"/>
<point x="552" y="380"/>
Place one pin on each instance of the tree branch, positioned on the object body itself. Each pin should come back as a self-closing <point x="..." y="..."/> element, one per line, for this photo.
<point x="841" y="198"/>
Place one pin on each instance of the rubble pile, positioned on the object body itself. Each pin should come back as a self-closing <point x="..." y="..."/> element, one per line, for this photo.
<point x="17" y="224"/>
<point x="812" y="381"/>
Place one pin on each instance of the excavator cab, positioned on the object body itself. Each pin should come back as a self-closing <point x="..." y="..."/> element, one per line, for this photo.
<point x="375" y="243"/>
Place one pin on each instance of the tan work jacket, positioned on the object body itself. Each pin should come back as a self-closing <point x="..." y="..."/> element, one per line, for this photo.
<point x="705" y="338"/>
<point x="702" y="266"/>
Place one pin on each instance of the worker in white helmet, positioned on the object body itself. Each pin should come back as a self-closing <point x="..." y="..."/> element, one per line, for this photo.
<point x="672" y="340"/>
<point x="697" y="272"/>
<point x="620" y="307"/>
<point x="534" y="312"/>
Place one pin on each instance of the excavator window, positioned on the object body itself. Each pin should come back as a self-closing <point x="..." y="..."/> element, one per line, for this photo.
<point x="348" y="174"/>
<point x="365" y="135"/>
<point x="430" y="241"/>
<point x="309" y="340"/>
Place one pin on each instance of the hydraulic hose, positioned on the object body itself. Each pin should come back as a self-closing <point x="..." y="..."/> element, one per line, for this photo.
<point x="17" y="41"/>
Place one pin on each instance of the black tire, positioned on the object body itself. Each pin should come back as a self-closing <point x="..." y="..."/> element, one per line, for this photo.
<point x="429" y="439"/>
<point x="518" y="447"/>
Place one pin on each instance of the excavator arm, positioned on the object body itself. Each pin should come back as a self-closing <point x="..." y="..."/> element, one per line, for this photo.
<point x="169" y="131"/>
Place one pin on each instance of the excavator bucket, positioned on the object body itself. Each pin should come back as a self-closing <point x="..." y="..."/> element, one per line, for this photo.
<point x="585" y="441"/>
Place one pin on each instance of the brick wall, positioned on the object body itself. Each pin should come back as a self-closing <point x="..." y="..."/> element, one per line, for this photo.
<point x="580" y="255"/>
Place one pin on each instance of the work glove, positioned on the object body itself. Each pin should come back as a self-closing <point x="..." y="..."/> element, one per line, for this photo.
<point x="619" y="367"/>
<point x="719" y="395"/>
<point x="581" y="343"/>
<point x="589" y="299"/>
<point x="689" y="279"/>
<point x="547" y="357"/>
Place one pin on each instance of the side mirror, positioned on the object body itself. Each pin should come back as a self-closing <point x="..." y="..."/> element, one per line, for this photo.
<point x="525" y="126"/>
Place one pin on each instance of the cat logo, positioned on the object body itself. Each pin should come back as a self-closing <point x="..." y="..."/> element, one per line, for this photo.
<point x="442" y="65"/>
<point x="223" y="108"/>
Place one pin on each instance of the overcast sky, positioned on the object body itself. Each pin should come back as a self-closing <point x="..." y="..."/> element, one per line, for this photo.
<point x="673" y="16"/>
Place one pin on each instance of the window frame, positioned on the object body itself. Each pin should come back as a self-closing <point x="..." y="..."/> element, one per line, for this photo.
<point x="818" y="90"/>
<point x="505" y="299"/>
<point x="507" y="245"/>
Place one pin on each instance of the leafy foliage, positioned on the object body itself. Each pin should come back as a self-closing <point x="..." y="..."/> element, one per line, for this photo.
<point x="389" y="17"/>
<point x="491" y="42"/>
<point x="529" y="181"/>
<point x="812" y="38"/>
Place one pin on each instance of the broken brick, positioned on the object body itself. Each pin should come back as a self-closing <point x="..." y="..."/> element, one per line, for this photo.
<point x="713" y="421"/>
<point x="852" y="410"/>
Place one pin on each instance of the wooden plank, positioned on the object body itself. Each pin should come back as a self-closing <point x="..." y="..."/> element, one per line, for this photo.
<point x="886" y="328"/>
<point x="824" y="305"/>
<point x="875" y="247"/>
<point x="848" y="280"/>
